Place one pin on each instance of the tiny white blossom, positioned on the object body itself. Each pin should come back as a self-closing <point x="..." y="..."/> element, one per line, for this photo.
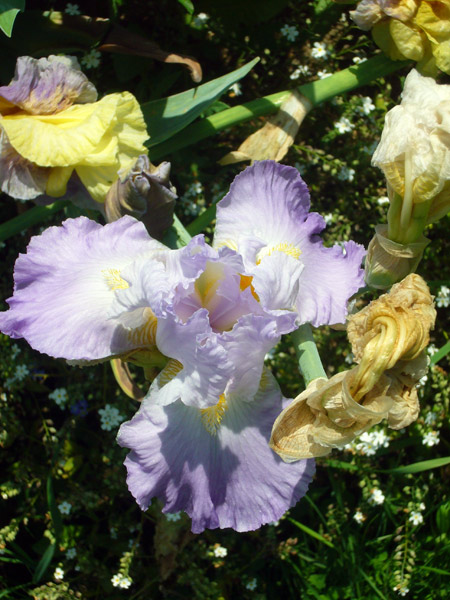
<point x="173" y="516"/>
<point x="72" y="9"/>
<point x="359" y="516"/>
<point x="125" y="583"/>
<point x="423" y="380"/>
<point x="201" y="19"/>
<point x="343" y="18"/>
<point x="220" y="552"/>
<point x="65" y="507"/>
<point x="21" y="372"/>
<point x="110" y="417"/>
<point x="251" y="585"/>
<point x="71" y="553"/>
<point x="421" y="506"/>
<point x="432" y="349"/>
<point x="236" y="89"/>
<point x="376" y="496"/>
<point x="431" y="439"/>
<point x="328" y="218"/>
<point x="116" y="579"/>
<point x="15" y="350"/>
<point x="367" y="106"/>
<point x="359" y="59"/>
<point x="443" y="297"/>
<point x="319" y="50"/>
<point x="323" y="74"/>
<point x="274" y="523"/>
<point x="91" y="60"/>
<point x="346" y="174"/>
<point x="290" y="32"/>
<point x="382" y="200"/>
<point x="430" y="418"/>
<point x="401" y="589"/>
<point x="371" y="441"/>
<point x="59" y="395"/>
<point x="344" y="125"/>
<point x="349" y="359"/>
<point x="416" y="517"/>
<point x="301" y="70"/>
<point x="58" y="574"/>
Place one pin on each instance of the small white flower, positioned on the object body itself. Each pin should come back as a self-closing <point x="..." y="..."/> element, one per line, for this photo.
<point x="443" y="297"/>
<point x="59" y="396"/>
<point x="220" y="552"/>
<point x="58" y="574"/>
<point x="401" y="589"/>
<point x="328" y="218"/>
<point x="359" y="516"/>
<point x="290" y="32"/>
<point x="431" y="439"/>
<point x="201" y="19"/>
<point x="116" y="579"/>
<point x="343" y="18"/>
<point x="251" y="585"/>
<point x="359" y="59"/>
<point x="274" y="523"/>
<point x="125" y="583"/>
<point x="91" y="60"/>
<point x="382" y="200"/>
<point x="15" y="350"/>
<point x="346" y="174"/>
<point x="21" y="372"/>
<point x="349" y="359"/>
<point x="323" y="74"/>
<point x="173" y="516"/>
<point x="344" y="125"/>
<point x="319" y="50"/>
<point x="367" y="106"/>
<point x="430" y="418"/>
<point x="301" y="70"/>
<point x="421" y="506"/>
<point x="65" y="507"/>
<point x="72" y="9"/>
<point x="71" y="553"/>
<point x="416" y="517"/>
<point x="110" y="417"/>
<point x="236" y="89"/>
<point x="301" y="168"/>
<point x="376" y="496"/>
<point x="432" y="349"/>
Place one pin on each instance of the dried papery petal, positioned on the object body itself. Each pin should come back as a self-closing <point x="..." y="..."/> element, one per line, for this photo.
<point x="405" y="406"/>
<point x="388" y="262"/>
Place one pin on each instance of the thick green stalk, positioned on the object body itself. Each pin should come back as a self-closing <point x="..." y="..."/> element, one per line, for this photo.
<point x="308" y="357"/>
<point x="31" y="217"/>
<point x="315" y="91"/>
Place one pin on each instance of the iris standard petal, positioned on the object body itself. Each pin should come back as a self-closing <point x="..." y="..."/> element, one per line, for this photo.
<point x="226" y="477"/>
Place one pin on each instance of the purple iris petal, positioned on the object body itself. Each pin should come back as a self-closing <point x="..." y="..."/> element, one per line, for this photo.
<point x="227" y="478"/>
<point x="264" y="214"/>
<point x="64" y="286"/>
<point x="48" y="85"/>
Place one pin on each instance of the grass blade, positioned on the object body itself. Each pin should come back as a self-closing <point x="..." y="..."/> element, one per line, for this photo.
<point x="311" y="532"/>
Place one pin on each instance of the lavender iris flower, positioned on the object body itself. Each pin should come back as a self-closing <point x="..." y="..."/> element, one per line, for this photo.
<point x="205" y="317"/>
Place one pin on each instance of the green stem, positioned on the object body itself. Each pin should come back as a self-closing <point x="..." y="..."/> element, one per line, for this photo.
<point x="315" y="91"/>
<point x="309" y="362"/>
<point x="183" y="236"/>
<point x="30" y="217"/>
<point x="202" y="221"/>
<point x="394" y="213"/>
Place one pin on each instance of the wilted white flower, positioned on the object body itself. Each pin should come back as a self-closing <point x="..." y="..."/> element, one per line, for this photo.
<point x="290" y="32"/>
<point x="416" y="517"/>
<point x="431" y="439"/>
<point x="220" y="552"/>
<point x="91" y="60"/>
<point x="58" y="574"/>
<point x="344" y="125"/>
<point x="359" y="516"/>
<point x="319" y="50"/>
<point x="376" y="496"/>
<point x="65" y="507"/>
<point x="72" y="9"/>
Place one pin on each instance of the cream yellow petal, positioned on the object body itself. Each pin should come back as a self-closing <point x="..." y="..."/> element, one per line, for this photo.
<point x="98" y="180"/>
<point x="409" y="41"/>
<point x="57" y="181"/>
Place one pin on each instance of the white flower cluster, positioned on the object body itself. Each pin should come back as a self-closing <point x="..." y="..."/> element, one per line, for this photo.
<point x="301" y="70"/>
<point x="346" y="174"/>
<point x="120" y="581"/>
<point x="59" y="396"/>
<point x="401" y="589"/>
<point x="367" y="106"/>
<point x="110" y="417"/>
<point x="290" y="32"/>
<point x="443" y="297"/>
<point x="371" y="441"/>
<point x="376" y="496"/>
<point x="416" y="517"/>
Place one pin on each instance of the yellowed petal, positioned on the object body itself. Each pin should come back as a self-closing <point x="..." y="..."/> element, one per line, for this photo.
<point x="98" y="180"/>
<point x="409" y="40"/>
